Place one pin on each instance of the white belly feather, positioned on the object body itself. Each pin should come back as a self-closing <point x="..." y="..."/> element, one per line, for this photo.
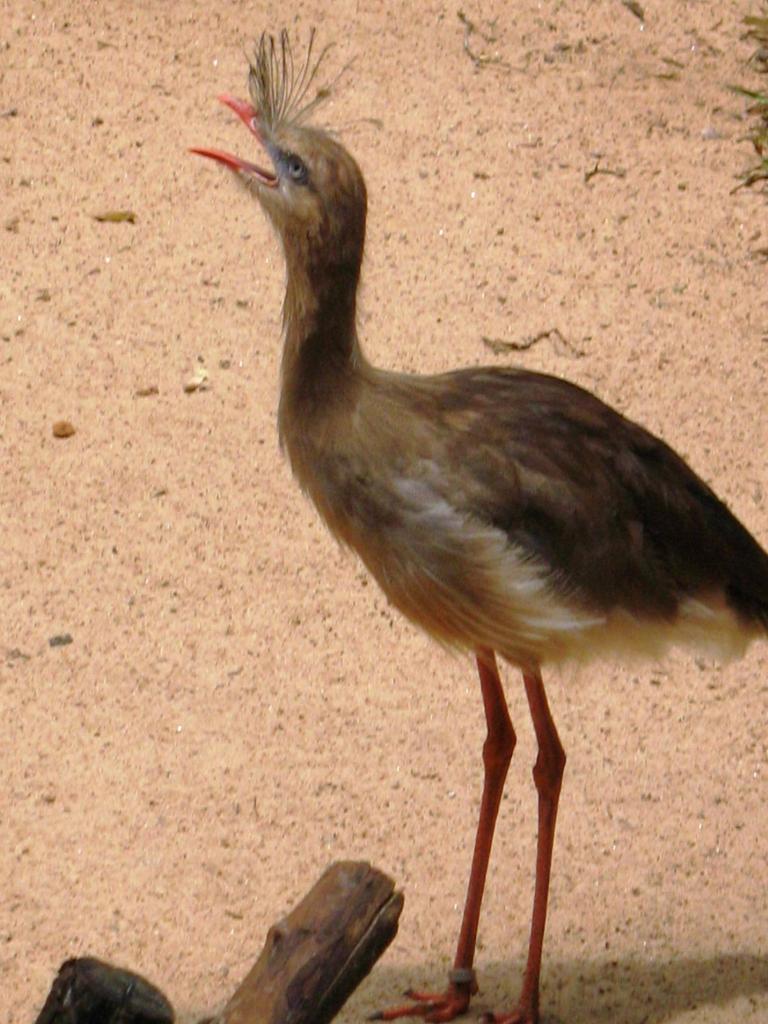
<point x="466" y="584"/>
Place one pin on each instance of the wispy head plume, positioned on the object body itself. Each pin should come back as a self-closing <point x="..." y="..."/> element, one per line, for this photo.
<point x="280" y="87"/>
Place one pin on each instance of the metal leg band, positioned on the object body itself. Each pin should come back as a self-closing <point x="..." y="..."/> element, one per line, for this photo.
<point x="462" y="976"/>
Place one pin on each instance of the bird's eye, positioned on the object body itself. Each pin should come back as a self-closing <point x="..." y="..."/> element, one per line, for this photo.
<point x="297" y="169"/>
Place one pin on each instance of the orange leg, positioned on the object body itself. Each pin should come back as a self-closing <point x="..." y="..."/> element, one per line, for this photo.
<point x="497" y="753"/>
<point x="547" y="776"/>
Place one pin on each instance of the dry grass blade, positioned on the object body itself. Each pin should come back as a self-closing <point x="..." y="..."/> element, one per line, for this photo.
<point x="758" y="106"/>
<point x="758" y="173"/>
<point x="480" y="60"/>
<point x="761" y="98"/>
<point x="116" y="217"/>
<point x="278" y="86"/>
<point x="757" y="27"/>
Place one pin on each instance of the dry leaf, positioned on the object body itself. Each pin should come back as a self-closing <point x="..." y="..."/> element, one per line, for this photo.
<point x="116" y="216"/>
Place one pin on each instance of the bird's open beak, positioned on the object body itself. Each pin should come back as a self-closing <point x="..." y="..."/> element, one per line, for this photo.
<point x="250" y="118"/>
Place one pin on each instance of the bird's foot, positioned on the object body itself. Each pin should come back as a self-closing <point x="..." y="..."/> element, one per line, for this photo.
<point x="524" y="1014"/>
<point x="436" y="1007"/>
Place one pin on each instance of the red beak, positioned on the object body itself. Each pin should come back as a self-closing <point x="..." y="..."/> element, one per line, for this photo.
<point x="250" y="118"/>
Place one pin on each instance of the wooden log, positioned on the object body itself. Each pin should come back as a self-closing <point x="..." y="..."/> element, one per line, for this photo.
<point x="89" y="991"/>
<point x="311" y="963"/>
<point x="314" y="959"/>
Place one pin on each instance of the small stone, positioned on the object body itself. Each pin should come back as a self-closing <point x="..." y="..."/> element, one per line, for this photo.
<point x="198" y="381"/>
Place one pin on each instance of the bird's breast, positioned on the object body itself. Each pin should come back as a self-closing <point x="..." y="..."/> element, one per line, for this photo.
<point x="457" y="578"/>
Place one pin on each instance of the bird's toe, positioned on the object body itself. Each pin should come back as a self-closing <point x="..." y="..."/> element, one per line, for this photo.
<point x="432" y="1007"/>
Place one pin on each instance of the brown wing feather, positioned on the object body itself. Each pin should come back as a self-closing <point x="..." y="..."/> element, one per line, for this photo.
<point x="619" y="516"/>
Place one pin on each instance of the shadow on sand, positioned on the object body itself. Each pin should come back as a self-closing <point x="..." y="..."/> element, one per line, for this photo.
<point x="611" y="991"/>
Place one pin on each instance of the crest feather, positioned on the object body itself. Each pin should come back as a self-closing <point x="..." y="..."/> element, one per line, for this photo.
<point x="278" y="85"/>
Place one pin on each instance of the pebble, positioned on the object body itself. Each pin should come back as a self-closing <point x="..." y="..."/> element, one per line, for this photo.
<point x="198" y="381"/>
<point x="63" y="428"/>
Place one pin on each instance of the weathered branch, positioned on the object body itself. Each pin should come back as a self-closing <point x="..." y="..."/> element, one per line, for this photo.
<point x="311" y="963"/>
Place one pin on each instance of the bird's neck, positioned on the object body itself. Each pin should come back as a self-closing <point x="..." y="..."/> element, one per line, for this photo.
<point x="321" y="353"/>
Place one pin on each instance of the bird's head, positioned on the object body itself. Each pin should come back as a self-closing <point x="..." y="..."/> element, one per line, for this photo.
<point x="314" y="192"/>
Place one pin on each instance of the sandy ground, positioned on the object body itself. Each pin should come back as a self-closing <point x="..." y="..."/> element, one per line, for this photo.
<point x="238" y="706"/>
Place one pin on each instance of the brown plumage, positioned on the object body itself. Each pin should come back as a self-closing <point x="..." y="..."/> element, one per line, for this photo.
<point x="503" y="511"/>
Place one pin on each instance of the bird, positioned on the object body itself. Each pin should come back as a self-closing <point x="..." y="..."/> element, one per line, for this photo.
<point x="510" y="514"/>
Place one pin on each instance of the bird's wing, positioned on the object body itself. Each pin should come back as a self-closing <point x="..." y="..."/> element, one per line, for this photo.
<point x="615" y="513"/>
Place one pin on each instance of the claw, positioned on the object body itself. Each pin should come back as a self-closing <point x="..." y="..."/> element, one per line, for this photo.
<point x="521" y="1015"/>
<point x="432" y="1007"/>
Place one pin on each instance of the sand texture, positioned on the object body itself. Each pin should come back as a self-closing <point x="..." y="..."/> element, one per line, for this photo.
<point x="238" y="706"/>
